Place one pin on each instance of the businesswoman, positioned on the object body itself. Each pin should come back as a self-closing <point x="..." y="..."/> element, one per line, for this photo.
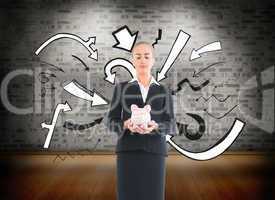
<point x="141" y="151"/>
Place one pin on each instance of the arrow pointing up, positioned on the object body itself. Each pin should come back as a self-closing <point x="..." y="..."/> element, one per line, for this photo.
<point x="125" y="40"/>
<point x="65" y="107"/>
<point x="215" y="46"/>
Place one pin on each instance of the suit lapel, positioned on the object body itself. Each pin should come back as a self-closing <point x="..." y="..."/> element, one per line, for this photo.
<point x="151" y="92"/>
<point x="135" y="90"/>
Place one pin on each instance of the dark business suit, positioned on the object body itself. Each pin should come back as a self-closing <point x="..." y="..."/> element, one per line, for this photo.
<point x="141" y="158"/>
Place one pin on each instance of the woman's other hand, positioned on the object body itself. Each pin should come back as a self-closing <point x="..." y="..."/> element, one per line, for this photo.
<point x="152" y="125"/>
<point x="128" y="124"/>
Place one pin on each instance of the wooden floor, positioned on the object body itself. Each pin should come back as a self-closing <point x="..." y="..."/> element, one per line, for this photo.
<point x="92" y="177"/>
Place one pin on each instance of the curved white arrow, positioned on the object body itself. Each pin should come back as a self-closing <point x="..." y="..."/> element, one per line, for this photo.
<point x="178" y="45"/>
<point x="80" y="91"/>
<point x="86" y="44"/>
<point x="118" y="62"/>
<point x="217" y="149"/>
<point x="125" y="40"/>
<point x="214" y="46"/>
<point x="65" y="107"/>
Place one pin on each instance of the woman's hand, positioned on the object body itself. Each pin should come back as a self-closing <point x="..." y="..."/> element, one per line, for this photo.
<point x="152" y="125"/>
<point x="128" y="124"/>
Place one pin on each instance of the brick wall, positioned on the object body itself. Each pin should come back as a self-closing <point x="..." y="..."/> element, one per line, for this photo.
<point x="244" y="28"/>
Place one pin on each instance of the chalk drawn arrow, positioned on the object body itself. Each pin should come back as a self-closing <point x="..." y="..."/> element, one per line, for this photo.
<point x="110" y="77"/>
<point x="223" y="144"/>
<point x="196" y="74"/>
<point x="178" y="45"/>
<point x="80" y="91"/>
<point x="65" y="107"/>
<point x="214" y="46"/>
<point x="87" y="44"/>
<point x="125" y="39"/>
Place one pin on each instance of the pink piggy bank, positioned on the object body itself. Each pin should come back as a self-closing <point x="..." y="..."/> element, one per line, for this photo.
<point x="140" y="116"/>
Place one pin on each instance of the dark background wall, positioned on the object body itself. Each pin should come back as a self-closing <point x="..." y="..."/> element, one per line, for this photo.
<point x="245" y="29"/>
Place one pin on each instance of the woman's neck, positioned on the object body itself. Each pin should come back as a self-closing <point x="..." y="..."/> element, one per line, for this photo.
<point x="144" y="79"/>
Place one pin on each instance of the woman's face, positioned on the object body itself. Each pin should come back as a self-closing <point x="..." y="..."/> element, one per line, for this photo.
<point x="143" y="59"/>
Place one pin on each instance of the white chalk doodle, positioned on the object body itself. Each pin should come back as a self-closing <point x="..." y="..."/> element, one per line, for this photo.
<point x="125" y="40"/>
<point x="65" y="107"/>
<point x="223" y="144"/>
<point x="80" y="91"/>
<point x="178" y="45"/>
<point x="118" y="62"/>
<point x="214" y="46"/>
<point x="87" y="44"/>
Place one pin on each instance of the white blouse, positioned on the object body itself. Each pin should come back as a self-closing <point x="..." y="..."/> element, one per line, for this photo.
<point x="144" y="90"/>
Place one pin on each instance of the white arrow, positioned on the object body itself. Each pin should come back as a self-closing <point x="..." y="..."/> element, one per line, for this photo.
<point x="118" y="62"/>
<point x="217" y="149"/>
<point x="125" y="40"/>
<point x="65" y="107"/>
<point x="87" y="44"/>
<point x="178" y="45"/>
<point x="215" y="46"/>
<point x="80" y="91"/>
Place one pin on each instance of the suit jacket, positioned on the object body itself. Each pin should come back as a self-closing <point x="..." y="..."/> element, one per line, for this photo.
<point x="160" y="99"/>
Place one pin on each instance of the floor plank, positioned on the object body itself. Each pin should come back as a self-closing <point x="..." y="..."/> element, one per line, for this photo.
<point x="93" y="177"/>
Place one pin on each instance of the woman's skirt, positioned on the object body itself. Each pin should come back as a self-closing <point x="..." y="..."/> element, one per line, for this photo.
<point x="140" y="175"/>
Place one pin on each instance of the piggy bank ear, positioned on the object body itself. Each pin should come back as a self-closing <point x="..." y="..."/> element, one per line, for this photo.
<point x="148" y="108"/>
<point x="134" y="107"/>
